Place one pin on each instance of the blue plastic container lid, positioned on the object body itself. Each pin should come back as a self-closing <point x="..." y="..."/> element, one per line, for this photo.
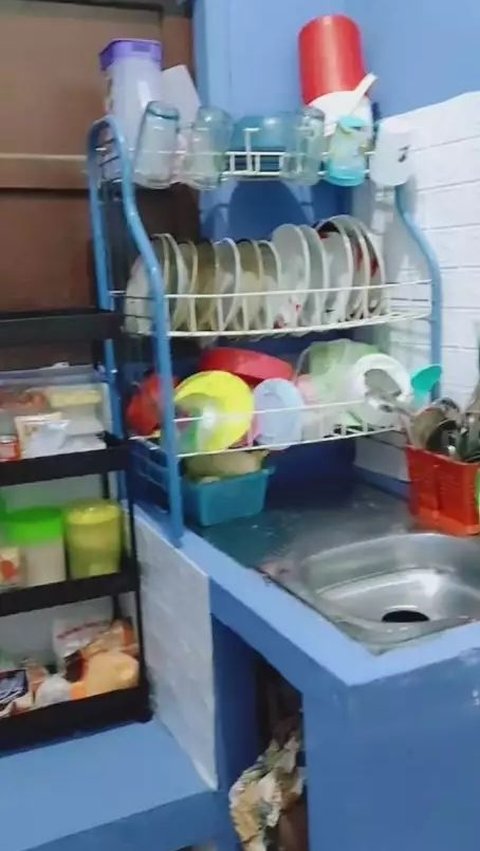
<point x="123" y="48"/>
<point x="352" y="122"/>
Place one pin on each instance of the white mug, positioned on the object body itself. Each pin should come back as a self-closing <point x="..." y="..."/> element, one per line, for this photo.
<point x="390" y="163"/>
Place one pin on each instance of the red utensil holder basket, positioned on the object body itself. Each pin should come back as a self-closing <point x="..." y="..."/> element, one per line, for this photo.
<point x="443" y="492"/>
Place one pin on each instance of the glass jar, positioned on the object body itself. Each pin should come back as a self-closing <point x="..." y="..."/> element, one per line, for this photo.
<point x="157" y="146"/>
<point x="305" y="147"/>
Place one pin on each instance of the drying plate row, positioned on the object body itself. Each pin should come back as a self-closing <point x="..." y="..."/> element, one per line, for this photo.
<point x="302" y="278"/>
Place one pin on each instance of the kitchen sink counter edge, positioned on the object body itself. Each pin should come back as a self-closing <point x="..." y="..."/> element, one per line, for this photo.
<point x="295" y="638"/>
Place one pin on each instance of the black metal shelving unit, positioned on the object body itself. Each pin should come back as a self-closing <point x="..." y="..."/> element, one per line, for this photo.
<point x="93" y="713"/>
<point x="56" y="326"/>
<point x="76" y="718"/>
<point x="71" y="591"/>
<point x="100" y="462"/>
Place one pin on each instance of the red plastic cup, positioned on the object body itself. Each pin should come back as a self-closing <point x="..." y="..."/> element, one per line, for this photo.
<point x="331" y="57"/>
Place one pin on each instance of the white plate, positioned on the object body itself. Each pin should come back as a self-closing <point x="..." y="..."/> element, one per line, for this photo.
<point x="251" y="281"/>
<point x="205" y="308"/>
<point x="138" y="304"/>
<point x="313" y="310"/>
<point x="178" y="282"/>
<point x="135" y="307"/>
<point x="189" y="252"/>
<point x="358" y="302"/>
<point x="378" y="277"/>
<point x="162" y="245"/>
<point x="294" y="256"/>
<point x="340" y="266"/>
<point x="271" y="271"/>
<point x="227" y="282"/>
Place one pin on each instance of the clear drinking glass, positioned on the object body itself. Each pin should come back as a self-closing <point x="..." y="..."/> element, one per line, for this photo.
<point x="207" y="143"/>
<point x="156" y="146"/>
<point x="305" y="147"/>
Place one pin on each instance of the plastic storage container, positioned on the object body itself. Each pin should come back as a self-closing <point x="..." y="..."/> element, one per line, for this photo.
<point x="209" y="503"/>
<point x="132" y="68"/>
<point x="93" y="532"/>
<point x="443" y="492"/>
<point x="81" y="405"/>
<point x="38" y="533"/>
<point x="331" y="57"/>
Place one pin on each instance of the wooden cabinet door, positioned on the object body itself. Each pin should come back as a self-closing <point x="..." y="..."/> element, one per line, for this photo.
<point x="52" y="90"/>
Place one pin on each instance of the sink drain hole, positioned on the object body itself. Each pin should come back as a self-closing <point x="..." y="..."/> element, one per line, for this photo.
<point x="405" y="616"/>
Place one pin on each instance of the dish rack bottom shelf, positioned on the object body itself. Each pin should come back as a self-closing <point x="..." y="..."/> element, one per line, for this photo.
<point x="74" y="718"/>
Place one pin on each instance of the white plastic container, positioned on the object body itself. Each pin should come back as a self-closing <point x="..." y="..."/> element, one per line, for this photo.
<point x="38" y="533"/>
<point x="133" y="71"/>
<point x="81" y="406"/>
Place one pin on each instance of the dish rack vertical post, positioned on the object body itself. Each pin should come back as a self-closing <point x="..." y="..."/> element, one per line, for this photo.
<point x="111" y="185"/>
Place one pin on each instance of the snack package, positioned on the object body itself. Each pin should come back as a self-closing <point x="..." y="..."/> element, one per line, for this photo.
<point x="72" y="634"/>
<point x="36" y="675"/>
<point x="15" y="402"/>
<point x="96" y="657"/>
<point x="10" y="567"/>
<point x="54" y="689"/>
<point x="13" y="687"/>
<point x="41" y="434"/>
<point x="109" y="671"/>
<point x="120" y="635"/>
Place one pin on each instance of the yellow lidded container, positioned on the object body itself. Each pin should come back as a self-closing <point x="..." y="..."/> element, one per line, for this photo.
<point x="93" y="531"/>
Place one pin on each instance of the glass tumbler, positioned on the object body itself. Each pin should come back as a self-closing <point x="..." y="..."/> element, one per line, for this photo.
<point x="305" y="147"/>
<point x="207" y="144"/>
<point x="156" y="149"/>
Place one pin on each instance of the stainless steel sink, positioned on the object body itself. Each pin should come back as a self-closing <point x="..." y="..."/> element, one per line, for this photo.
<point x="393" y="589"/>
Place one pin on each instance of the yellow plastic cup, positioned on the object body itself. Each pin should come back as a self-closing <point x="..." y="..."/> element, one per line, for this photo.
<point x="93" y="531"/>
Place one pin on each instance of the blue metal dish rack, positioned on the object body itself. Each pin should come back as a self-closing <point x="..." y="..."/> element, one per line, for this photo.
<point x="120" y="237"/>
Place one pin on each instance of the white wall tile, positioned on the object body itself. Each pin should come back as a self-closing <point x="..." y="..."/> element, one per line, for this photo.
<point x="461" y="288"/>
<point x="445" y="200"/>
<point x="178" y="639"/>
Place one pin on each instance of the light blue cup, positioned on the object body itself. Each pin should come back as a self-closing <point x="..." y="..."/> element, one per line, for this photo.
<point x="347" y="160"/>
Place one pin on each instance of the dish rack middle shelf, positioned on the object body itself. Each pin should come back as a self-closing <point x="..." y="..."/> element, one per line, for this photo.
<point x="260" y="314"/>
<point x="160" y="311"/>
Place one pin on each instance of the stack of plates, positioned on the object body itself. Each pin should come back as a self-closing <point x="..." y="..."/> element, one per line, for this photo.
<point x="303" y="278"/>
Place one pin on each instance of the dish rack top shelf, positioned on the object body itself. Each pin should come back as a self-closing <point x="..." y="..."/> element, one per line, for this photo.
<point x="248" y="162"/>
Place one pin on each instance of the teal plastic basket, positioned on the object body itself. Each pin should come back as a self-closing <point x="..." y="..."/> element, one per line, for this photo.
<point x="209" y="503"/>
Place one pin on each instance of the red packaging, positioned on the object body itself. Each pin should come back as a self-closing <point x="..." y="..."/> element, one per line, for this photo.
<point x="9" y="448"/>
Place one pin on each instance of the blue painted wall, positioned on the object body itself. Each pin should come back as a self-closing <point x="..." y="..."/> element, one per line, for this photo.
<point x="247" y="63"/>
<point x="424" y="51"/>
<point x="247" y="50"/>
